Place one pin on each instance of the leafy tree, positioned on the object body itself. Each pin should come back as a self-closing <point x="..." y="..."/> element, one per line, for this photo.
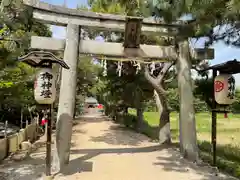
<point x="17" y="26"/>
<point x="87" y="80"/>
<point x="205" y="17"/>
<point x="16" y="87"/>
<point x="204" y="89"/>
<point x="129" y="89"/>
<point x="87" y="76"/>
<point x="139" y="8"/>
<point x="132" y="8"/>
<point x="215" y="19"/>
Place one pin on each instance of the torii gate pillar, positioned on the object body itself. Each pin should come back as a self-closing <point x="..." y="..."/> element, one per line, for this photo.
<point x="67" y="96"/>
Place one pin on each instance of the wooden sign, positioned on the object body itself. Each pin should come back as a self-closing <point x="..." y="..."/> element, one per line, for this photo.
<point x="203" y="53"/>
<point x="132" y="33"/>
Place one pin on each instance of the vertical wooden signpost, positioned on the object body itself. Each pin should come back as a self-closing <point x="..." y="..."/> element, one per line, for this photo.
<point x="222" y="95"/>
<point x="214" y="121"/>
<point x="45" y="90"/>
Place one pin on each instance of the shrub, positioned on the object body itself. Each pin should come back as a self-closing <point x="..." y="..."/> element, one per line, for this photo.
<point x="229" y="152"/>
<point x="130" y="121"/>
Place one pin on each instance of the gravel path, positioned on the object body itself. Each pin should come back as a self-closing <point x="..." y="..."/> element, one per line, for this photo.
<point x="102" y="150"/>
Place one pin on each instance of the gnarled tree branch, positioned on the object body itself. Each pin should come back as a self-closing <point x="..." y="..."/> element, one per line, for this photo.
<point x="163" y="72"/>
<point x="153" y="81"/>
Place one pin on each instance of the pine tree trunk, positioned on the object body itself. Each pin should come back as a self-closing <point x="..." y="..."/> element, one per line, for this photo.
<point x="161" y="102"/>
<point x="164" y="134"/>
<point x="66" y="100"/>
<point x="188" y="138"/>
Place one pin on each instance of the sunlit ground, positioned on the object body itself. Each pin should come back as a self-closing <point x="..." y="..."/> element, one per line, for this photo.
<point x="228" y="141"/>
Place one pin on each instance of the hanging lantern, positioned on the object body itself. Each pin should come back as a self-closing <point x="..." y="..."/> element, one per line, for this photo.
<point x="44" y="86"/>
<point x="224" y="89"/>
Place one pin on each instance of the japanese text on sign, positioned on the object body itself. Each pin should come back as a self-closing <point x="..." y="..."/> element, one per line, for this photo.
<point x="46" y="77"/>
<point x="231" y="88"/>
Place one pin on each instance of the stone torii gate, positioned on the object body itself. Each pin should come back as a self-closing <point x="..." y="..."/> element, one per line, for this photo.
<point x="131" y="49"/>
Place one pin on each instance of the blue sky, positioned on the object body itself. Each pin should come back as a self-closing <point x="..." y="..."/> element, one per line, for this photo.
<point x="70" y="3"/>
<point x="223" y="53"/>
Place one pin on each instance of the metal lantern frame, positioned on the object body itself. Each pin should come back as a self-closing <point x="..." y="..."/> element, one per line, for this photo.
<point x="42" y="59"/>
<point x="230" y="67"/>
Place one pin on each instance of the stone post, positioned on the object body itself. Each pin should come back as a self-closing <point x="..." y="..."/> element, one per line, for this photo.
<point x="67" y="97"/>
<point x="187" y="125"/>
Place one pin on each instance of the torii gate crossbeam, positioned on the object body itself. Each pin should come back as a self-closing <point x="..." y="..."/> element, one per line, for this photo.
<point x="58" y="15"/>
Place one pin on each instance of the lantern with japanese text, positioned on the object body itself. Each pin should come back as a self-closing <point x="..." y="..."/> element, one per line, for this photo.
<point x="45" y="89"/>
<point x="44" y="86"/>
<point x="224" y="89"/>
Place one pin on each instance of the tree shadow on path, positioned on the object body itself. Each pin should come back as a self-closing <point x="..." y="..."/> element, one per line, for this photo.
<point x="31" y="168"/>
<point x="79" y="165"/>
<point x="169" y="159"/>
<point x="119" y="135"/>
<point x="175" y="162"/>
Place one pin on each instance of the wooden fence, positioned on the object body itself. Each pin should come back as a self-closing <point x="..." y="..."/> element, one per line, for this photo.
<point x="11" y="144"/>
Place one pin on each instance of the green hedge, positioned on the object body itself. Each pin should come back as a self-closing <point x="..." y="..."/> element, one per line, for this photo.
<point x="228" y="166"/>
<point x="226" y="151"/>
<point x="127" y="119"/>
